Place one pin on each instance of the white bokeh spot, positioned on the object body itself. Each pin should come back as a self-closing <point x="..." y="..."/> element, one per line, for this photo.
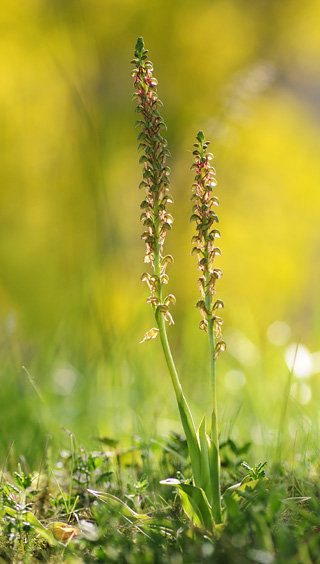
<point x="278" y="333"/>
<point x="299" y="360"/>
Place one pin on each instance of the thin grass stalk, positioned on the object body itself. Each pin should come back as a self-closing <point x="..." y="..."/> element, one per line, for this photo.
<point x="284" y="409"/>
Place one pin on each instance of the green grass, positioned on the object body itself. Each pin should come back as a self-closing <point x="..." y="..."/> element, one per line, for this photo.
<point x="124" y="398"/>
<point x="111" y="507"/>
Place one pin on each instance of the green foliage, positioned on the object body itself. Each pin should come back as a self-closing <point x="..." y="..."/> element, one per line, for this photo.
<point x="258" y="470"/>
<point x="134" y="518"/>
<point x="23" y="480"/>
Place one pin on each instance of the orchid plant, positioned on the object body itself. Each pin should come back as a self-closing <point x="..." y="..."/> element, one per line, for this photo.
<point x="201" y="497"/>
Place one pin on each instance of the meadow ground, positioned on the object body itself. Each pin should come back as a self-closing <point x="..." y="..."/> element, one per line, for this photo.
<point x="89" y="498"/>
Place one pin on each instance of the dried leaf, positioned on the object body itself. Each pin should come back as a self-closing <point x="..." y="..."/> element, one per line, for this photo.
<point x="64" y="532"/>
<point x="152" y="334"/>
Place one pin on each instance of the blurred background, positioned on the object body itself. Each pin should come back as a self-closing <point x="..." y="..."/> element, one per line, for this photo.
<point x="72" y="307"/>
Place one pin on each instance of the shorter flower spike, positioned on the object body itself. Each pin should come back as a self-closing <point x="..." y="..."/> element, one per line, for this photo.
<point x="203" y="242"/>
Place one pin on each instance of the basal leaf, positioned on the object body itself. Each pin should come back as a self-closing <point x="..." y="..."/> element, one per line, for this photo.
<point x="114" y="501"/>
<point x="194" y="502"/>
<point x="205" y="481"/>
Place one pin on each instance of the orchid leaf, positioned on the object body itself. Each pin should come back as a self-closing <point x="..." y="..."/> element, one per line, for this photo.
<point x="194" y="502"/>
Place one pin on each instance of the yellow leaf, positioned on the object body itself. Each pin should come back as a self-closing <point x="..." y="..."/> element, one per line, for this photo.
<point x="152" y="334"/>
<point x="63" y="532"/>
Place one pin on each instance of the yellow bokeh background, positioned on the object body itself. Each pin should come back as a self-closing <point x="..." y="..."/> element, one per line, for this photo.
<point x="247" y="73"/>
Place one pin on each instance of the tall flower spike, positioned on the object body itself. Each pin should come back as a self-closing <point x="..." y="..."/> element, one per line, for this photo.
<point x="154" y="217"/>
<point x="204" y="241"/>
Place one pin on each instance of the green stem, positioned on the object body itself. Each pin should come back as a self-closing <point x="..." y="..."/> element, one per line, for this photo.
<point x="168" y="355"/>
<point x="184" y="410"/>
<point x="215" y="463"/>
<point x="214" y="427"/>
<point x="185" y="413"/>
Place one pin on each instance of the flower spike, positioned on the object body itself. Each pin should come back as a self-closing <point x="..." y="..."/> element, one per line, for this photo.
<point x="154" y="217"/>
<point x="206" y="218"/>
